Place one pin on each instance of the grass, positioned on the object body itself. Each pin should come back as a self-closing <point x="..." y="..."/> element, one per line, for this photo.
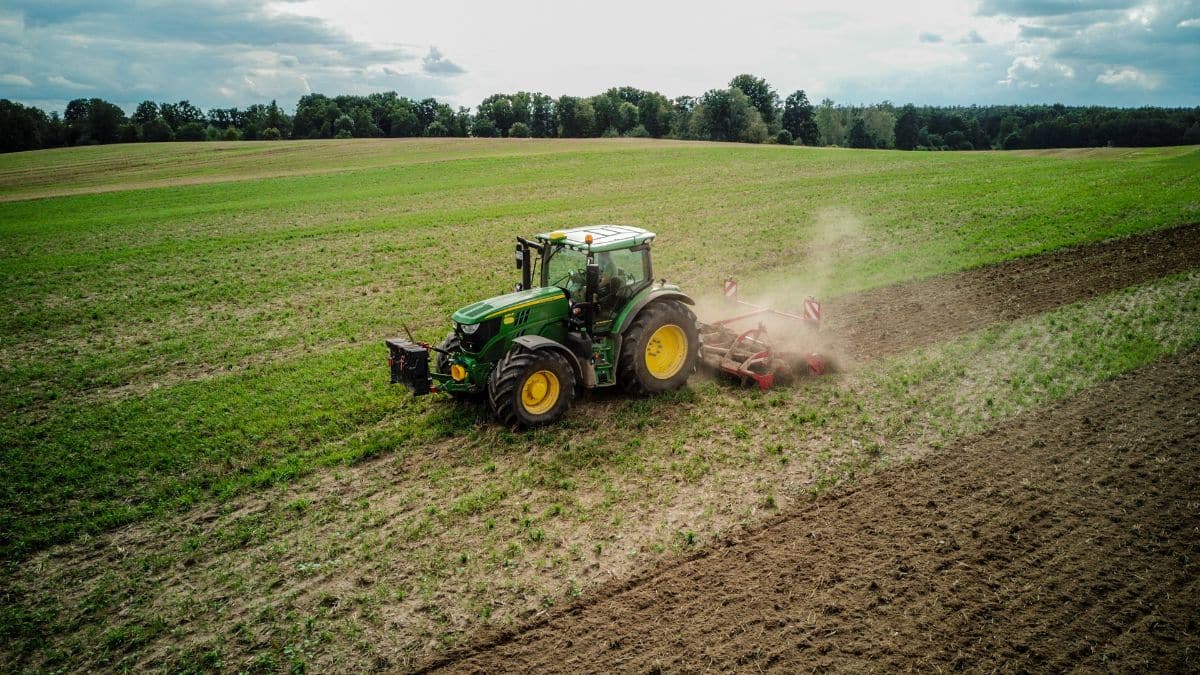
<point x="192" y="346"/>
<point x="451" y="540"/>
<point x="170" y="344"/>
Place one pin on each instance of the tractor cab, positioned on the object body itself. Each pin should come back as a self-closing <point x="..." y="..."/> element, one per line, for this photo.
<point x="600" y="268"/>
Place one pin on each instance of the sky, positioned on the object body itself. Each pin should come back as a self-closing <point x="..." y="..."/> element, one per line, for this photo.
<point x="227" y="53"/>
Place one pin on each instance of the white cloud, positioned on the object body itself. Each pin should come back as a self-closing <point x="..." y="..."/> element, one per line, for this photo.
<point x="60" y="81"/>
<point x="1189" y="23"/>
<point x="1032" y="71"/>
<point x="1128" y="76"/>
<point x="15" y="80"/>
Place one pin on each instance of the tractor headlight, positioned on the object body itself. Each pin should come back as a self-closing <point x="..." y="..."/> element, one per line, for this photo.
<point x="458" y="372"/>
<point x="468" y="328"/>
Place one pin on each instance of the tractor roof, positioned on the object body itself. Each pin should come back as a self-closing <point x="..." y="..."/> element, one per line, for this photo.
<point x="604" y="237"/>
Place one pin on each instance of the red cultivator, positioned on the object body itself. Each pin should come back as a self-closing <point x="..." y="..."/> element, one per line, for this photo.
<point x="748" y="354"/>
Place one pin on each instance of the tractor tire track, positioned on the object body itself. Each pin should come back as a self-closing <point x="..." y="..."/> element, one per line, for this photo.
<point x="1066" y="538"/>
<point x="896" y="319"/>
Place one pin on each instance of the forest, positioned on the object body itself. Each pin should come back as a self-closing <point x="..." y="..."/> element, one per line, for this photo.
<point x="748" y="110"/>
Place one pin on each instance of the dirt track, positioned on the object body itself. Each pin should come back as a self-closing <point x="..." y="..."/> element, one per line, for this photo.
<point x="1067" y="538"/>
<point x="896" y="319"/>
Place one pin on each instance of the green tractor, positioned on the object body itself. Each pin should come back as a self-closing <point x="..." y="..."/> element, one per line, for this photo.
<point x="587" y="313"/>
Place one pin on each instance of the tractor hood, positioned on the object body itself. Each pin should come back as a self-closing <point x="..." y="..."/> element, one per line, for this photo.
<point x="494" y="307"/>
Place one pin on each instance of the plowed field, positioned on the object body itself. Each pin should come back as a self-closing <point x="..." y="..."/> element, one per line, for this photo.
<point x="1065" y="538"/>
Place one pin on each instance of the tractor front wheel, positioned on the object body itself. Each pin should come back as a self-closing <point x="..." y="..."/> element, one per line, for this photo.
<point x="659" y="350"/>
<point x="528" y="389"/>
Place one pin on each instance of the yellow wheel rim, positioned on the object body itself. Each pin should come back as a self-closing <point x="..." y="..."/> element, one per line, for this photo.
<point x="666" y="351"/>
<point x="540" y="392"/>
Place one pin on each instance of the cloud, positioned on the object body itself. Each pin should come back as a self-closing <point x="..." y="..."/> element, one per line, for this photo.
<point x="1128" y="76"/>
<point x="929" y="38"/>
<point x="1032" y="71"/>
<point x="1042" y="32"/>
<point x="59" y="80"/>
<point x="211" y="52"/>
<point x="971" y="38"/>
<point x="1104" y="52"/>
<point x="1049" y="7"/>
<point x="15" y="80"/>
<point x="436" y="64"/>
<point x="1189" y="23"/>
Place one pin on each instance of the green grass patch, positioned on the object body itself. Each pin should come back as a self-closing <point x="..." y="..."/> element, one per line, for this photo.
<point x="209" y="320"/>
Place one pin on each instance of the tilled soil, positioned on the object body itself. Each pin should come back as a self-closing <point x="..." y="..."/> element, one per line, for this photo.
<point x="1067" y="538"/>
<point x="896" y="319"/>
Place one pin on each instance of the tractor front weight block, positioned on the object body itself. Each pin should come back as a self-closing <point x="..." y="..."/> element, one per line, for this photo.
<point x="409" y="362"/>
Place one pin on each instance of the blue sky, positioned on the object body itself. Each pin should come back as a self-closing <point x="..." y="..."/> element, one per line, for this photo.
<point x="221" y="53"/>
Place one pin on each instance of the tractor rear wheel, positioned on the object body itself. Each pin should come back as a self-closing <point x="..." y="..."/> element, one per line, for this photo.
<point x="659" y="349"/>
<point x="528" y="389"/>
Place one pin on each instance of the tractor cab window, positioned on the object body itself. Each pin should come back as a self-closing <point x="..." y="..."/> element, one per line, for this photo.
<point x="567" y="269"/>
<point x="622" y="274"/>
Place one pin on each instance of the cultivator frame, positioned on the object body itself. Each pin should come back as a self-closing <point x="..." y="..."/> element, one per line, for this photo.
<point x="748" y="354"/>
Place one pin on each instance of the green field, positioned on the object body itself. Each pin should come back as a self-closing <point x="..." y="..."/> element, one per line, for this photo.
<point x="192" y="348"/>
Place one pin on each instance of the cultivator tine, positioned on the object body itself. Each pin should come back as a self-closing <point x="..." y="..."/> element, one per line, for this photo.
<point x="749" y="355"/>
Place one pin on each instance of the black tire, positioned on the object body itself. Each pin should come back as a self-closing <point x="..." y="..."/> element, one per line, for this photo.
<point x="508" y="382"/>
<point x="452" y="344"/>
<point x="634" y="373"/>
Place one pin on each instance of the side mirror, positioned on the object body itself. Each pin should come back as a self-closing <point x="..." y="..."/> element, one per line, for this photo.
<point x="593" y="281"/>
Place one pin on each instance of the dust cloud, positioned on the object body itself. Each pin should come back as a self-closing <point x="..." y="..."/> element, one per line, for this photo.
<point x="835" y="237"/>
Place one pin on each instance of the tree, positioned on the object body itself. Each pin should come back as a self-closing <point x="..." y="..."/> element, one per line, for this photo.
<point x="761" y="95"/>
<point x="22" y="128"/>
<point x="859" y="137"/>
<point x="577" y="117"/>
<point x="627" y="116"/>
<point x="799" y="118"/>
<point x="654" y="112"/>
<point x="436" y="129"/>
<point x="157" y="131"/>
<point x="832" y="123"/>
<point x="270" y="134"/>
<point x="784" y="137"/>
<point x="192" y="131"/>
<point x="907" y="127"/>
<point x="223" y="118"/>
<point x="403" y="120"/>
<point x="145" y="113"/>
<point x="564" y="111"/>
<point x="541" y="117"/>
<point x="728" y="115"/>
<point x="315" y="115"/>
<point x="518" y="130"/>
<point x="881" y="125"/>
<point x="499" y="109"/>
<point x="364" y="123"/>
<point x="484" y="127"/>
<point x="344" y="123"/>
<point x="181" y="113"/>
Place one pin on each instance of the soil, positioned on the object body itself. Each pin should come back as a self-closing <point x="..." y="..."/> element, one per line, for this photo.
<point x="895" y="319"/>
<point x="1066" y="538"/>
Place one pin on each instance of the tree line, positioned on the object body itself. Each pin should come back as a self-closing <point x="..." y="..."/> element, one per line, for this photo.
<point x="748" y="110"/>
